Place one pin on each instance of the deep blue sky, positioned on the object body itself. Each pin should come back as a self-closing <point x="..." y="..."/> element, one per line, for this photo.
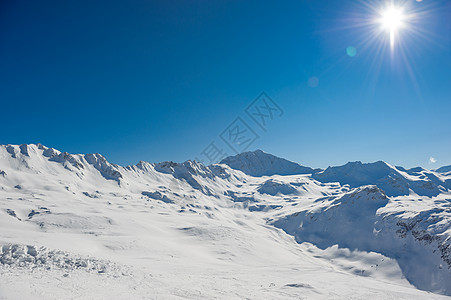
<point x="160" y="80"/>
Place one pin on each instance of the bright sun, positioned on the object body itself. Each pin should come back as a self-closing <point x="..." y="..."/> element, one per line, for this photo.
<point x="392" y="19"/>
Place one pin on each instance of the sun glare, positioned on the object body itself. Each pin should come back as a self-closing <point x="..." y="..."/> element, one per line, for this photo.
<point x="392" y="19"/>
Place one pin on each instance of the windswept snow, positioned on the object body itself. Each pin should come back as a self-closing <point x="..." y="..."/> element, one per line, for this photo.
<point x="77" y="226"/>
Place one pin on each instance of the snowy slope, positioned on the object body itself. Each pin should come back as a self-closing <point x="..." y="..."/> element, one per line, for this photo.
<point x="417" y="237"/>
<point x="77" y="226"/>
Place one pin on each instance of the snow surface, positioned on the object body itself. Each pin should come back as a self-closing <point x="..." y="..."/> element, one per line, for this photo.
<point x="77" y="226"/>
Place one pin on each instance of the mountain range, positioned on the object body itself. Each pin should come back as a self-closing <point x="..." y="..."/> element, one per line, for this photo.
<point x="253" y="226"/>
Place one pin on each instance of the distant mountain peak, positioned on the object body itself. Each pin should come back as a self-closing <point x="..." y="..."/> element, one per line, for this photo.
<point x="444" y="169"/>
<point x="259" y="163"/>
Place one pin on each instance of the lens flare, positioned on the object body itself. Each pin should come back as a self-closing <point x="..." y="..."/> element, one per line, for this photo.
<point x="351" y="51"/>
<point x="387" y="36"/>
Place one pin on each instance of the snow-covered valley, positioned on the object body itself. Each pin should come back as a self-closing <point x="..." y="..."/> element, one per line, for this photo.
<point x="253" y="227"/>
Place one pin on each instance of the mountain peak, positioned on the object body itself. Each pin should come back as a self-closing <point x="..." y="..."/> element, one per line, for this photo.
<point x="259" y="163"/>
<point x="444" y="169"/>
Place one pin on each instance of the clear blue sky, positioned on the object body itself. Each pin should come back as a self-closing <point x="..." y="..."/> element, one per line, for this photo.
<point x="160" y="80"/>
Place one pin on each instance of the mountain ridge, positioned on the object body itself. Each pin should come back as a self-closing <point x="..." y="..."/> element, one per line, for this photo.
<point x="229" y="216"/>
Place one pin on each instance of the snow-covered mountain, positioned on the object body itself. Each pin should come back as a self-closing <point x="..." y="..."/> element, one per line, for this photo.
<point x="259" y="163"/>
<point x="444" y="169"/>
<point x="395" y="181"/>
<point x="254" y="226"/>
